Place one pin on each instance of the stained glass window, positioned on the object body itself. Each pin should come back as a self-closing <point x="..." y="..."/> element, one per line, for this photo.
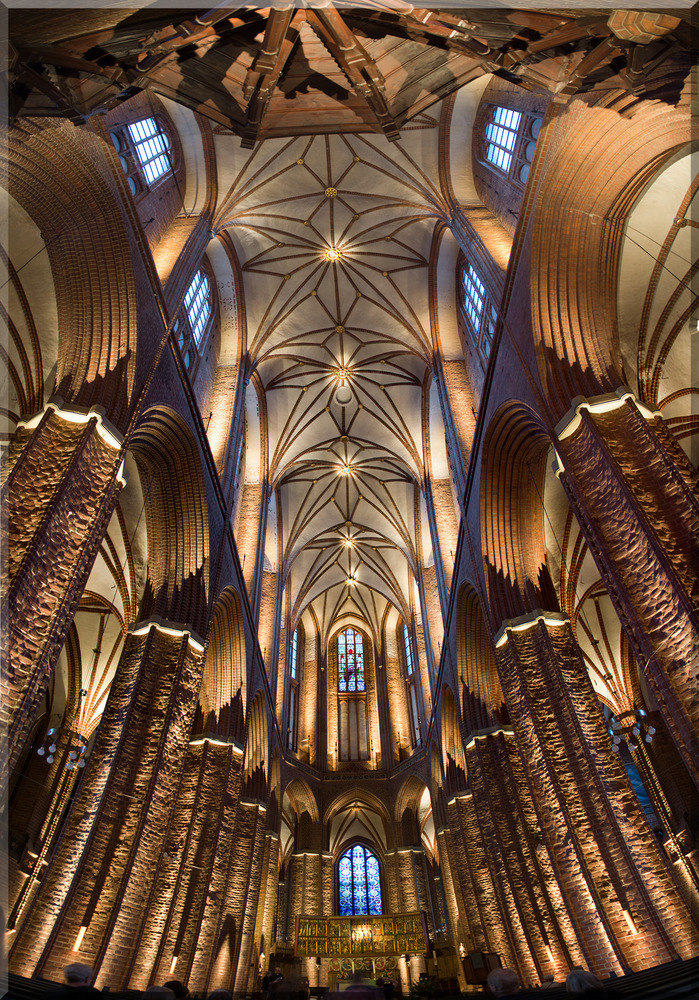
<point x="350" y="660"/>
<point x="359" y="882"/>
<point x="501" y="134"/>
<point x="292" y="659"/>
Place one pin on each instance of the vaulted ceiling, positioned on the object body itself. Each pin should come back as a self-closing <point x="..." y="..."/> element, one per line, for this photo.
<point x="333" y="235"/>
<point x="332" y="218"/>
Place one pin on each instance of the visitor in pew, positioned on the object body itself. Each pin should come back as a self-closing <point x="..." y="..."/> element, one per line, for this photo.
<point x="587" y="985"/>
<point x="78" y="984"/>
<point x="220" y="995"/>
<point x="503" y="983"/>
<point x="179" y="989"/>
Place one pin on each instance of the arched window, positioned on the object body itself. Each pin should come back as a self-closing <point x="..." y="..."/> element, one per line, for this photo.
<point x="479" y="312"/>
<point x="350" y="659"/>
<point x="351" y="689"/>
<point x="292" y="725"/>
<point x="510" y="140"/>
<point x="152" y="147"/>
<point x="410" y="684"/>
<point x="501" y="137"/>
<point x="197" y="302"/>
<point x="192" y="323"/>
<point x="359" y="882"/>
<point x="144" y="153"/>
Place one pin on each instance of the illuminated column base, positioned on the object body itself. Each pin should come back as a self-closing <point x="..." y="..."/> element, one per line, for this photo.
<point x="62" y="476"/>
<point x="591" y="824"/>
<point x="117" y="835"/>
<point x="632" y="490"/>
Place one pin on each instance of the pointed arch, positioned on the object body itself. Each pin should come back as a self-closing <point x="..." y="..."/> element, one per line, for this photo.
<point x="222" y="696"/>
<point x="482" y="701"/>
<point x="169" y="465"/>
<point x="512" y="515"/>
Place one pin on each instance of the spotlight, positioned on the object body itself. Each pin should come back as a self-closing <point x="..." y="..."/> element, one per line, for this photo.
<point x="332" y="254"/>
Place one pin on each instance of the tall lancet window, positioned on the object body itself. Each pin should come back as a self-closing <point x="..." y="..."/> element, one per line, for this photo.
<point x="292" y="725"/>
<point x="410" y="685"/>
<point x="351" y="686"/>
<point x="359" y="882"/>
<point x="350" y="660"/>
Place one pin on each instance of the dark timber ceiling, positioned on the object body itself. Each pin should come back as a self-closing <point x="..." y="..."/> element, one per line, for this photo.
<point x="284" y="71"/>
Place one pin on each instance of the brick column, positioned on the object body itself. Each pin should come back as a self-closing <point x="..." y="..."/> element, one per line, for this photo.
<point x="186" y="916"/>
<point x="539" y="928"/>
<point x="614" y="879"/>
<point x="250" y="835"/>
<point x="630" y="486"/>
<point x="61" y="483"/>
<point x="117" y="835"/>
<point x="43" y="800"/>
<point x="486" y="925"/>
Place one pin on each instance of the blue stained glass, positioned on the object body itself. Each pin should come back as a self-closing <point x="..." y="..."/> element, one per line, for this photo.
<point x="359" y="877"/>
<point x="345" y="878"/>
<point x="359" y="881"/>
<point x="373" y="884"/>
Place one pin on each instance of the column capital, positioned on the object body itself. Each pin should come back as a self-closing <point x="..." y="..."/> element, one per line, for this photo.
<point x="599" y="404"/>
<point x="168" y="628"/>
<point x="525" y="622"/>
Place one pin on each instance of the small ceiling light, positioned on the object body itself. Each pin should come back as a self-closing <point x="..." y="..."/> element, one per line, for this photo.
<point x="350" y="580"/>
<point x="332" y="254"/>
<point x="349" y="543"/>
<point x="346" y="470"/>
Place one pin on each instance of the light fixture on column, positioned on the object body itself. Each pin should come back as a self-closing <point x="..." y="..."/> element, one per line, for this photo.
<point x="631" y="727"/>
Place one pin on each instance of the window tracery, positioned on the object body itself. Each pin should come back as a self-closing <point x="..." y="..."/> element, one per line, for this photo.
<point x="480" y="314"/>
<point x="191" y="325"/>
<point x="351" y="688"/>
<point x="509" y="141"/>
<point x="145" y="154"/>
<point x="292" y="724"/>
<point x="359" y="882"/>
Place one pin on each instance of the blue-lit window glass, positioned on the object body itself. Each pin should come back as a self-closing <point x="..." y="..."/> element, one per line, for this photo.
<point x="197" y="302"/>
<point x="501" y="135"/>
<point x="350" y="661"/>
<point x="359" y="882"/>
<point x="474" y="296"/>
<point x="152" y="148"/>
<point x="292" y="657"/>
<point x="408" y="651"/>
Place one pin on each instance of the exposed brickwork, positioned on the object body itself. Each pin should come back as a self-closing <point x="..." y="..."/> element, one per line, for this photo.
<point x="596" y="834"/>
<point x="103" y="868"/>
<point x="637" y="509"/>
<point x="60" y="490"/>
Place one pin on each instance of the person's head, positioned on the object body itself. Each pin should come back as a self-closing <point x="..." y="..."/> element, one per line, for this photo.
<point x="221" y="995"/>
<point x="579" y="981"/>
<point x="78" y="974"/>
<point x="159" y="993"/>
<point x="178" y="988"/>
<point x="548" y="979"/>
<point x="503" y="981"/>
